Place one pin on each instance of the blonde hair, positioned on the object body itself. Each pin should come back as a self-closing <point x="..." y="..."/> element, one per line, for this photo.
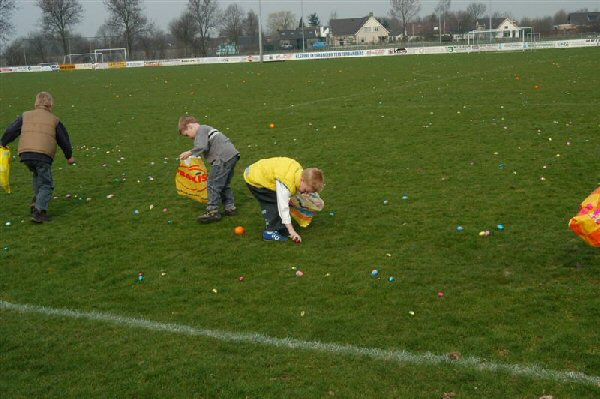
<point x="184" y="121"/>
<point x="44" y="100"/>
<point x="314" y="178"/>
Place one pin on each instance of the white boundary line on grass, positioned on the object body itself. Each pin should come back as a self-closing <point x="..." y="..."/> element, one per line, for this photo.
<point x="398" y="356"/>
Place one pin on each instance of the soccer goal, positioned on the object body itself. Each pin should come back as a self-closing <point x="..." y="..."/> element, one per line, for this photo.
<point x="84" y="58"/>
<point x="476" y="37"/>
<point x="111" y="54"/>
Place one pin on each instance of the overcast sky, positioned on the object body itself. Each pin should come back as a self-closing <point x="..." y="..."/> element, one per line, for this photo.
<point x="161" y="12"/>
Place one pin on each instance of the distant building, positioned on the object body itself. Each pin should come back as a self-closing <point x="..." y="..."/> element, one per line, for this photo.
<point x="506" y="27"/>
<point x="584" y="19"/>
<point x="350" y="31"/>
<point x="292" y="39"/>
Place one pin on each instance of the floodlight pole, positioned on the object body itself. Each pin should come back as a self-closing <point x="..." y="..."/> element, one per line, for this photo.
<point x="440" y="26"/>
<point x="490" y="17"/>
<point x="260" y="46"/>
<point x="302" y="21"/>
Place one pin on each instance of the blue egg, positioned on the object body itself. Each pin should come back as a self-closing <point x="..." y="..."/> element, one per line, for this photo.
<point x="392" y="279"/>
<point x="500" y="227"/>
<point x="459" y="228"/>
<point x="375" y="273"/>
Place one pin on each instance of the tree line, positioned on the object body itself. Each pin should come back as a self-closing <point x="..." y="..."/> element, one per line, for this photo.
<point x="201" y="21"/>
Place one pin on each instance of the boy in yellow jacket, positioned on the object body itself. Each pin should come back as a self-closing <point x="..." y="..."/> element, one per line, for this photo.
<point x="273" y="182"/>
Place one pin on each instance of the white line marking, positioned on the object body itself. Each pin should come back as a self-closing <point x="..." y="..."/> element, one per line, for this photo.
<point x="398" y="356"/>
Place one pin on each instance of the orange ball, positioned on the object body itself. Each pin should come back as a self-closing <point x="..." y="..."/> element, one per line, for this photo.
<point x="239" y="230"/>
<point x="272" y="125"/>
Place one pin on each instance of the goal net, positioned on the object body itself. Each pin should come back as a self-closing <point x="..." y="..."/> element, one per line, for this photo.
<point x="85" y="58"/>
<point x="111" y="54"/>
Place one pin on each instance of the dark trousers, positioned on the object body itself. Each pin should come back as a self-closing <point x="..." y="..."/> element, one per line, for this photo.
<point x="43" y="183"/>
<point x="219" y="185"/>
<point x="268" y="206"/>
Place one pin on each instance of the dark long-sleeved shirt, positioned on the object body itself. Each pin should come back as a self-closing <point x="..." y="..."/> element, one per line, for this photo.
<point x="62" y="139"/>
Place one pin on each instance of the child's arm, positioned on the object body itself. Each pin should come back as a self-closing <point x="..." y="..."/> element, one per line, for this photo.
<point x="283" y="206"/>
<point x="185" y="155"/>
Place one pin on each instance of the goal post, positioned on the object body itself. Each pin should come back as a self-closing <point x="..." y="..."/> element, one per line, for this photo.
<point x="83" y="58"/>
<point x="111" y="54"/>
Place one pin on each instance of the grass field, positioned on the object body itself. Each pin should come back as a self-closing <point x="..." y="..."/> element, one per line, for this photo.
<point x="411" y="147"/>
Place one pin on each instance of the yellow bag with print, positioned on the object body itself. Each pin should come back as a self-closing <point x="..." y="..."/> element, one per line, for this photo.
<point x="586" y="224"/>
<point x="191" y="179"/>
<point x="5" y="168"/>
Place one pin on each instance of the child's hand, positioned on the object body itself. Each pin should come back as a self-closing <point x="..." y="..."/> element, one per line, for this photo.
<point x="296" y="237"/>
<point x="185" y="155"/>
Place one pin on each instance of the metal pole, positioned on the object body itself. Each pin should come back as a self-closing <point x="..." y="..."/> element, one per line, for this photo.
<point x="440" y="26"/>
<point x="260" y="46"/>
<point x="302" y="21"/>
<point x="490" y="17"/>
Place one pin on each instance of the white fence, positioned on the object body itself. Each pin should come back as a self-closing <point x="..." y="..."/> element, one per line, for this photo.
<point x="448" y="49"/>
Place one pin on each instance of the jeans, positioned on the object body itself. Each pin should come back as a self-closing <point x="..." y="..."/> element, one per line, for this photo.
<point x="43" y="183"/>
<point x="268" y="206"/>
<point x="219" y="185"/>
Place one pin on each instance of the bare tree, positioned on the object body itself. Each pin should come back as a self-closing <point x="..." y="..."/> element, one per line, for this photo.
<point x="185" y="29"/>
<point x="281" y="20"/>
<point x="40" y="46"/>
<point x="59" y="16"/>
<point x="251" y="24"/>
<point x="561" y="17"/>
<point x="332" y="16"/>
<point x="154" y="42"/>
<point x="442" y="9"/>
<point x="126" y="17"/>
<point x="6" y="27"/>
<point x="474" y="12"/>
<point x="232" y="21"/>
<point x="405" y="10"/>
<point x="206" y="14"/>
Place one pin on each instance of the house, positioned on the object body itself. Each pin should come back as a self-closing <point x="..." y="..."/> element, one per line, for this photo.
<point x="584" y="19"/>
<point x="505" y="27"/>
<point x="292" y="39"/>
<point x="349" y="31"/>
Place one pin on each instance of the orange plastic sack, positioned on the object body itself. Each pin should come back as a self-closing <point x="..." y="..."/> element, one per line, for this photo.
<point x="191" y="179"/>
<point x="587" y="222"/>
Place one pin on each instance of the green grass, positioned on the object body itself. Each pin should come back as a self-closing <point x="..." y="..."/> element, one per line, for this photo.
<point x="466" y="141"/>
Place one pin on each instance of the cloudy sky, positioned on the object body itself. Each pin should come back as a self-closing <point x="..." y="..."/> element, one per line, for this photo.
<point x="161" y="12"/>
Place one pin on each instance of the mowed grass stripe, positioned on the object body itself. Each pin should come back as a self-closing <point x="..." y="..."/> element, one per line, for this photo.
<point x="399" y="356"/>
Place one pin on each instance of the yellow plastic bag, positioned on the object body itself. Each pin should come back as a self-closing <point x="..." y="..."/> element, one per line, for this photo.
<point x="587" y="222"/>
<point x="5" y="168"/>
<point x="191" y="179"/>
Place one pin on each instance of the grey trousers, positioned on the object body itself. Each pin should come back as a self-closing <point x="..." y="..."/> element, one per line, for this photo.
<point x="219" y="185"/>
<point x="43" y="183"/>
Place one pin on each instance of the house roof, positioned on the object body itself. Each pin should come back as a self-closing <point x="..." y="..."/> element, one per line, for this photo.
<point x="496" y="22"/>
<point x="584" y="18"/>
<point x="296" y="34"/>
<point x="347" y="26"/>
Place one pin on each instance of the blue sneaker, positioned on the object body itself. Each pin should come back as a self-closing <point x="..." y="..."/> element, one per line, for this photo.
<point x="273" y="236"/>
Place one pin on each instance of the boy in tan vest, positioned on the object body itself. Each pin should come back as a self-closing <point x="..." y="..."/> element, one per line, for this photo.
<point x="40" y="133"/>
